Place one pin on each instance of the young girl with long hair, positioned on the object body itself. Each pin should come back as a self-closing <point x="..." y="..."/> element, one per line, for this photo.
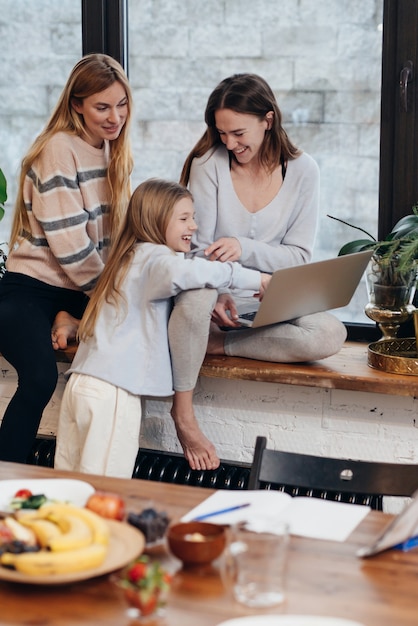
<point x="123" y="352"/>
<point x="73" y="192"/>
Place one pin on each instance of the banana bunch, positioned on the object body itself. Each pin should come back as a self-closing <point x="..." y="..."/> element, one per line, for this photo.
<point x="72" y="539"/>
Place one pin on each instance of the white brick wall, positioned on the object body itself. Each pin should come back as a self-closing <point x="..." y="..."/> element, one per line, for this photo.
<point x="349" y="424"/>
<point x="310" y="420"/>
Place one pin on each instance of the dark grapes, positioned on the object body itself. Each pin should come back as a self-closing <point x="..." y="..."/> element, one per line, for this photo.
<point x="151" y="523"/>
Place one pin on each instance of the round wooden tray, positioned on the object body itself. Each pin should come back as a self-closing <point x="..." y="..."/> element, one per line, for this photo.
<point x="398" y="356"/>
<point x="126" y="543"/>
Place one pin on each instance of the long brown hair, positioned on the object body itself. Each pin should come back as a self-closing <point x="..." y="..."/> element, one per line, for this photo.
<point x="249" y="94"/>
<point x="149" y="211"/>
<point x="92" y="74"/>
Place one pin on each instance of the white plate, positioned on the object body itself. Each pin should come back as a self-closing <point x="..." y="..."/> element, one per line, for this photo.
<point x="289" y="620"/>
<point x="75" y="492"/>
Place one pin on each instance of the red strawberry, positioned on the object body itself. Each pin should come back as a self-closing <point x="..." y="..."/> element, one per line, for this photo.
<point x="137" y="571"/>
<point x="145" y="584"/>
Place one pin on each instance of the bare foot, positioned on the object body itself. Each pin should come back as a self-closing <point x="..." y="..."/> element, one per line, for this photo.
<point x="64" y="330"/>
<point x="216" y="340"/>
<point x="198" y="450"/>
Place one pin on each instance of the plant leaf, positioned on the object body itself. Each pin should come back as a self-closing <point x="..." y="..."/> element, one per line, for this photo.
<point x="356" y="246"/>
<point x="3" y="188"/>
<point x="407" y="222"/>
<point x="409" y="231"/>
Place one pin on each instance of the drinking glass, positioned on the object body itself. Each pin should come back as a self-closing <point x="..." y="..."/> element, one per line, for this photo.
<point x="255" y="566"/>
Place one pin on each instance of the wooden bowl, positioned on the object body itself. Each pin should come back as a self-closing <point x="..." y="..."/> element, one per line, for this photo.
<point x="196" y="543"/>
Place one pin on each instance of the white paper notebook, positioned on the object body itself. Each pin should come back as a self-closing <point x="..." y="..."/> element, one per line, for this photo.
<point x="307" y="517"/>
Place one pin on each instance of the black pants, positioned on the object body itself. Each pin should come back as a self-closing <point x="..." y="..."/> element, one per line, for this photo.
<point x="27" y="311"/>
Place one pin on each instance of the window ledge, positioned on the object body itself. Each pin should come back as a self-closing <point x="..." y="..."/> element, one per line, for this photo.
<point x="348" y="370"/>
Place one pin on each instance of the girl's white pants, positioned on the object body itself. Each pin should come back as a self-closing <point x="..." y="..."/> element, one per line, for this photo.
<point x="98" y="428"/>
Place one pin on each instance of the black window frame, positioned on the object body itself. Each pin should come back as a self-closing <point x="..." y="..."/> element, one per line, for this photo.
<point x="104" y="25"/>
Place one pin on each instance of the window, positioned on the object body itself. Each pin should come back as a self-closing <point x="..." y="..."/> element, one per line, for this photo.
<point x="327" y="79"/>
<point x="177" y="56"/>
<point x="323" y="59"/>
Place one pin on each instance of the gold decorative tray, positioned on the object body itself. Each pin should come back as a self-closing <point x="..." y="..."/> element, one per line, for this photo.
<point x="398" y="356"/>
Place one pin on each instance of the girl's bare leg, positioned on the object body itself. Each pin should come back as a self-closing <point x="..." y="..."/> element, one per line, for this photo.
<point x="64" y="330"/>
<point x="188" y="331"/>
<point x="198" y="450"/>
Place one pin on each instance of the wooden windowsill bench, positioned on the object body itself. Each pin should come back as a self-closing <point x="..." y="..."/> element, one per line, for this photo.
<point x="348" y="370"/>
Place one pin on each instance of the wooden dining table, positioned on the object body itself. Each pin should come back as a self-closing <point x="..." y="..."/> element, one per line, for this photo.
<point x="324" y="578"/>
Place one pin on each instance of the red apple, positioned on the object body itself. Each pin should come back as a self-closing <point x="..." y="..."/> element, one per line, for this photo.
<point x="107" y="504"/>
<point x="6" y="534"/>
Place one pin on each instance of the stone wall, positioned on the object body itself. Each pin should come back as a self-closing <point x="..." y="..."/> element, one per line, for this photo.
<point x="40" y="42"/>
<point x="321" y="58"/>
<point x="323" y="61"/>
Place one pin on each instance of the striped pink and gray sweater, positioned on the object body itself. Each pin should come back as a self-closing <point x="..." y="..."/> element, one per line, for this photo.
<point x="67" y="199"/>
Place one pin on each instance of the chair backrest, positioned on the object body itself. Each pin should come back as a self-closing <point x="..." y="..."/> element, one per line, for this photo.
<point x="361" y="482"/>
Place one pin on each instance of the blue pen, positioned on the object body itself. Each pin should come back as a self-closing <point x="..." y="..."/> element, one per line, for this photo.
<point x="220" y="512"/>
<point x="410" y="543"/>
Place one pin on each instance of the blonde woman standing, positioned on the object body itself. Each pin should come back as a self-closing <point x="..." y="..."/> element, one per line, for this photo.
<point x="73" y="192"/>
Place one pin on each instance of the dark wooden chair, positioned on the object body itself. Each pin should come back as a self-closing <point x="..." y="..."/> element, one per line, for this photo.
<point x="358" y="482"/>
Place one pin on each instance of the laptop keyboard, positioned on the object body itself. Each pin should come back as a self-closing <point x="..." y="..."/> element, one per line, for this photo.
<point x="245" y="319"/>
<point x="248" y="316"/>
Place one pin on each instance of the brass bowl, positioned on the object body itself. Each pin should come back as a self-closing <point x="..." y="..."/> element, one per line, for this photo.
<point x="397" y="356"/>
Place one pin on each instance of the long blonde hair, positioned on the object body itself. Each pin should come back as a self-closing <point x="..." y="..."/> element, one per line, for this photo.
<point x="249" y="94"/>
<point x="92" y="74"/>
<point x="149" y="211"/>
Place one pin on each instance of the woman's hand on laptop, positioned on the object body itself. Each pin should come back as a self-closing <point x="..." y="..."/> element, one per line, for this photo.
<point x="225" y="312"/>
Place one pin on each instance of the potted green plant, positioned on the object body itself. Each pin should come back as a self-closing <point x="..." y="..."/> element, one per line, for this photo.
<point x="392" y="273"/>
<point x="397" y="253"/>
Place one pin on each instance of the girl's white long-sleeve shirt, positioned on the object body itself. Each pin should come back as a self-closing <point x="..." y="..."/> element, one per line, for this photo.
<point x="129" y="347"/>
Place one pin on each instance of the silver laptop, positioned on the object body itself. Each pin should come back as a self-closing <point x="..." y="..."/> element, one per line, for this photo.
<point x="305" y="289"/>
<point x="401" y="533"/>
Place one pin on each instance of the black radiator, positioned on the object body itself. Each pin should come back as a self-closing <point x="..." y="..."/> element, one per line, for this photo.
<point x="173" y="468"/>
<point x="170" y="467"/>
<point x="161" y="466"/>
